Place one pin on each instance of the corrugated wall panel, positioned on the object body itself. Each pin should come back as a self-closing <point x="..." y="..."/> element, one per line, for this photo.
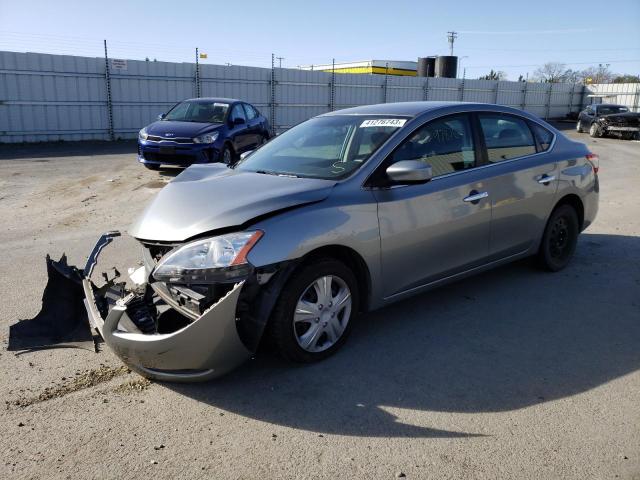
<point x="627" y="94"/>
<point x="59" y="97"/>
<point x="51" y="97"/>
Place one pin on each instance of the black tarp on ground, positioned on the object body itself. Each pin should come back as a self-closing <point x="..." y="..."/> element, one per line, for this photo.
<point x="62" y="321"/>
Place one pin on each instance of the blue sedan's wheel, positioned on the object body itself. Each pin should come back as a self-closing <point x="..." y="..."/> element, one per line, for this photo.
<point x="227" y="155"/>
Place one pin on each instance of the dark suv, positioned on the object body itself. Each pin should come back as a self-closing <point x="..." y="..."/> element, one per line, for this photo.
<point x="202" y="130"/>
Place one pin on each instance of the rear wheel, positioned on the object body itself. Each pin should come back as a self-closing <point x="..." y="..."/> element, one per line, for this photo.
<point x="595" y="131"/>
<point x="579" y="127"/>
<point x="315" y="311"/>
<point x="559" y="239"/>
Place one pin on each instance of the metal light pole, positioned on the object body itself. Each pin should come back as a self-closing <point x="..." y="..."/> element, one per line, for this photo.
<point x="460" y="65"/>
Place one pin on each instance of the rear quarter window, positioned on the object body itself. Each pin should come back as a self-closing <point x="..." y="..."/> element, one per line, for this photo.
<point x="544" y="136"/>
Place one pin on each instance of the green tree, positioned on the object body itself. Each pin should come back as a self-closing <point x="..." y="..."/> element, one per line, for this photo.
<point x="626" y="78"/>
<point x="494" y="75"/>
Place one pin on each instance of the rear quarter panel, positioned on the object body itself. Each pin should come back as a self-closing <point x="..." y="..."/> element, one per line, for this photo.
<point x="577" y="177"/>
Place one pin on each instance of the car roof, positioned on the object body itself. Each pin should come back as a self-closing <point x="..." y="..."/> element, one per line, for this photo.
<point x="213" y="99"/>
<point x="408" y="109"/>
<point x="608" y="105"/>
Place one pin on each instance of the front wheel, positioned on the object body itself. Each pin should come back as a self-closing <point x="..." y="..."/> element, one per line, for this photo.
<point x="315" y="311"/>
<point x="595" y="131"/>
<point x="559" y="239"/>
<point x="579" y="127"/>
<point x="227" y="155"/>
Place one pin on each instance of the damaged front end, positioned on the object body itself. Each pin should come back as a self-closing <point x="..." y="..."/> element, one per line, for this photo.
<point x="180" y="326"/>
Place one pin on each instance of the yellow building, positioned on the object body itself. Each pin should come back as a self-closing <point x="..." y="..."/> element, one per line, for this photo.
<point x="379" y="67"/>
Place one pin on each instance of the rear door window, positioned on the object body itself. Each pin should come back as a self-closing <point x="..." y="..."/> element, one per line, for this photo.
<point x="506" y="137"/>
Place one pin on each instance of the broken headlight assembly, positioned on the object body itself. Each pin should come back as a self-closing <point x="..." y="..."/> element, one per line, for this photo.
<point x="210" y="260"/>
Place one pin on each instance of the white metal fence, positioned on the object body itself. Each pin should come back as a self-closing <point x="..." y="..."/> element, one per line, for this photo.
<point x="627" y="94"/>
<point x="58" y="97"/>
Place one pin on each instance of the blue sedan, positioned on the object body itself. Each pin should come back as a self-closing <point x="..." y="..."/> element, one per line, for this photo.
<point x="202" y="130"/>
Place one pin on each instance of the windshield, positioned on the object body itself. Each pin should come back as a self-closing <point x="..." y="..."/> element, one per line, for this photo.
<point x="611" y="110"/>
<point x="323" y="147"/>
<point x="198" y="111"/>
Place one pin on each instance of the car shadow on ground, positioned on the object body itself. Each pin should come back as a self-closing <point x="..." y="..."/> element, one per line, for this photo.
<point x="500" y="341"/>
<point x="170" y="171"/>
<point x="39" y="151"/>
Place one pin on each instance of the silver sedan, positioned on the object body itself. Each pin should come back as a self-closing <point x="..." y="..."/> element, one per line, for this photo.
<point x="342" y="214"/>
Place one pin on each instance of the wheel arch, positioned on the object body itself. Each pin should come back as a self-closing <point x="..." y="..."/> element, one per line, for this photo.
<point x="351" y="259"/>
<point x="574" y="201"/>
<point x="228" y="143"/>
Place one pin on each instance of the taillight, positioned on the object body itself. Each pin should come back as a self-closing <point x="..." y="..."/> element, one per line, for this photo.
<point x="594" y="160"/>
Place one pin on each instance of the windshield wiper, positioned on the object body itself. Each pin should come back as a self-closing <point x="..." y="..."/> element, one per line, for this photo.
<point x="277" y="174"/>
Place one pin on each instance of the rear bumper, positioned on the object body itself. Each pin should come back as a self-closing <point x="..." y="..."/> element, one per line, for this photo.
<point x="208" y="347"/>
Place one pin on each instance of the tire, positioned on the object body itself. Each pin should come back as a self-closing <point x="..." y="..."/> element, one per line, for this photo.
<point x="579" y="127"/>
<point x="227" y="156"/>
<point x="294" y="322"/>
<point x="151" y="166"/>
<point x="595" y="131"/>
<point x="560" y="238"/>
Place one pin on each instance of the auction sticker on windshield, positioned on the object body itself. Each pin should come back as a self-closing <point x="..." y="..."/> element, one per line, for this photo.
<point x="384" y="122"/>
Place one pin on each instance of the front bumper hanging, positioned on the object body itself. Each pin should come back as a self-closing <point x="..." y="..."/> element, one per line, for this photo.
<point x="208" y="347"/>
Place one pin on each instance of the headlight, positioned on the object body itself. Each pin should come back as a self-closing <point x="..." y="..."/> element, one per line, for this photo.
<point x="206" y="138"/>
<point x="142" y="134"/>
<point x="209" y="260"/>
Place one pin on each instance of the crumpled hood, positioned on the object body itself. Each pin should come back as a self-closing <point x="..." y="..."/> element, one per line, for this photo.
<point x="631" y="117"/>
<point x="210" y="197"/>
<point x="180" y="129"/>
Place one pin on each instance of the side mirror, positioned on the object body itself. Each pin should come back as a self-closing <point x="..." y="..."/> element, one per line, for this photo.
<point x="238" y="121"/>
<point x="161" y="116"/>
<point x="410" y="171"/>
<point x="245" y="154"/>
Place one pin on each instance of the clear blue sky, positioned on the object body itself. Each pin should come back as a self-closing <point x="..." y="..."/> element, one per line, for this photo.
<point x="513" y="36"/>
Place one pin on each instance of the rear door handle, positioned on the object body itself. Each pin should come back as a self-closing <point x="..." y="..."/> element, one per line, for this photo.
<point x="546" y="179"/>
<point x="475" y="197"/>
